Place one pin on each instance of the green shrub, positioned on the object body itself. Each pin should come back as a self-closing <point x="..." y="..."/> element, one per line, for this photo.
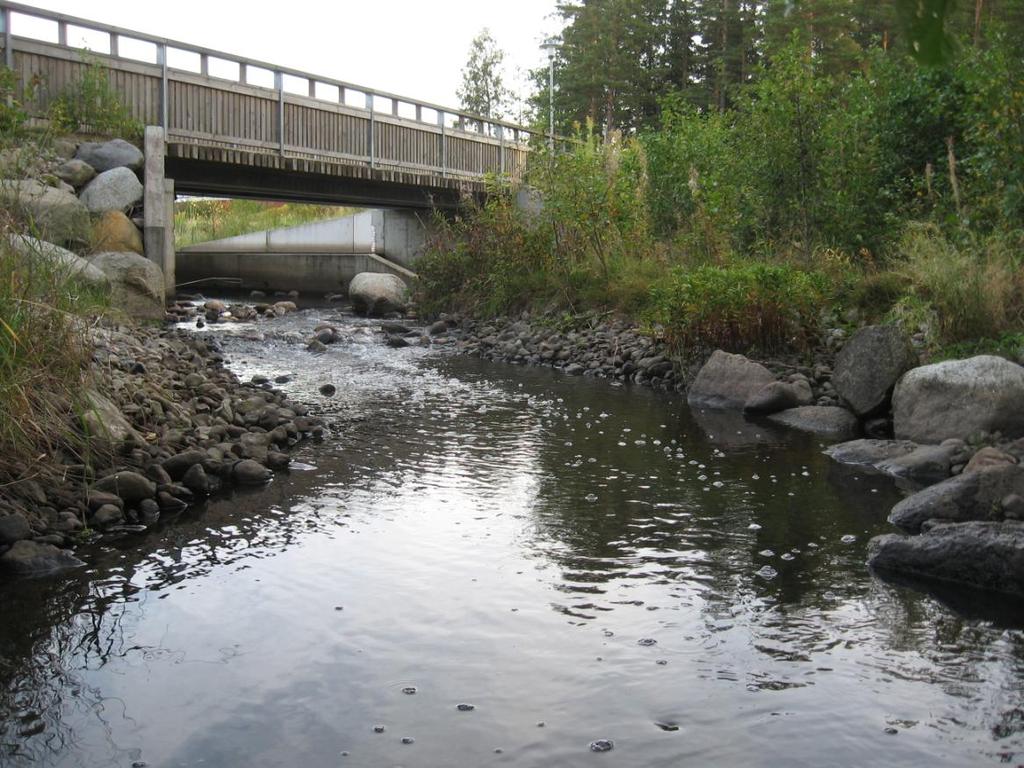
<point x="92" y="105"/>
<point x="12" y="113"/>
<point x="877" y="293"/>
<point x="739" y="307"/>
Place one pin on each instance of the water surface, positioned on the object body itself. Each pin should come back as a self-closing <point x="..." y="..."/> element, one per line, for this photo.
<point x="575" y="560"/>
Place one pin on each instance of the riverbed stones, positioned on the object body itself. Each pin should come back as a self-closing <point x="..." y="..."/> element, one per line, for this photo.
<point x="868" y="367"/>
<point x="103" y="421"/>
<point x="727" y="381"/>
<point x="107" y="155"/>
<point x="958" y="398"/>
<point x="118" y="189"/>
<point x="981" y="554"/>
<point x="177" y="465"/>
<point x="376" y="293"/>
<point x="32" y="558"/>
<point x="197" y="481"/>
<point x="830" y="422"/>
<point x="14" y="527"/>
<point x="869" y="451"/>
<point x="130" y="487"/>
<point x="75" y="172"/>
<point x="107" y="515"/>
<point x="967" y="496"/>
<point x="137" y="284"/>
<point x="989" y="456"/>
<point x="56" y="215"/>
<point x="249" y="472"/>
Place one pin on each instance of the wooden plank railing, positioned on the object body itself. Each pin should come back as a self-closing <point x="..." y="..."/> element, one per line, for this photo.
<point x="237" y="114"/>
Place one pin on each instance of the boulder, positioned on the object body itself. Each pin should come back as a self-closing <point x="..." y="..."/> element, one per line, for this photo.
<point x="989" y="457"/>
<point x="249" y="472"/>
<point x="778" y="396"/>
<point x="176" y="466"/>
<point x="137" y="284"/>
<point x="377" y="293"/>
<point x="968" y="496"/>
<point x="958" y="398"/>
<point x="56" y="215"/>
<point x="61" y="258"/>
<point x="107" y="155"/>
<point x="982" y="555"/>
<point x="114" y="231"/>
<point x="926" y="464"/>
<point x="869" y="452"/>
<point x="32" y="558"/>
<point x="130" y="487"/>
<point x="868" y="367"/>
<point x="727" y="381"/>
<point x="14" y="527"/>
<point x="827" y="421"/>
<point x="115" y="190"/>
<point x="102" y="420"/>
<point x="75" y="172"/>
<point x="106" y="516"/>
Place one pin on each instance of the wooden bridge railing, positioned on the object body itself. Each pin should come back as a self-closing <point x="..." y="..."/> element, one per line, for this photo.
<point x="238" y="116"/>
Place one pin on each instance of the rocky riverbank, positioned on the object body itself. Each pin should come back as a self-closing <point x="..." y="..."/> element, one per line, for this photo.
<point x="167" y="425"/>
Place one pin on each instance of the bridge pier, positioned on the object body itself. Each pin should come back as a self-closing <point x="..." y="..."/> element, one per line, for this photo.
<point x="158" y="207"/>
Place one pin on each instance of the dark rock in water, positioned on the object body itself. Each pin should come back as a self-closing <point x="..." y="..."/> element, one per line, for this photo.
<point x="879" y="429"/>
<point x="170" y="504"/>
<point x="196" y="480"/>
<point x="727" y="381"/>
<point x="465" y="707"/>
<point x="130" y="487"/>
<point x="408" y="740"/>
<point x="602" y="745"/>
<point x="869" y="365"/>
<point x="441" y="326"/>
<point x="394" y="328"/>
<point x="108" y="515"/>
<point x="98" y="498"/>
<point x="176" y="466"/>
<point x="326" y="336"/>
<point x="397" y="342"/>
<point x="249" y="472"/>
<point x="828" y="421"/>
<point x="379" y="729"/>
<point x="926" y="464"/>
<point x="574" y="369"/>
<point x="869" y="452"/>
<point x="14" y="528"/>
<point x="149" y="512"/>
<point x="31" y="558"/>
<point x="969" y="496"/>
<point x="316" y="346"/>
<point x="283" y="379"/>
<point x="983" y="555"/>
<point x="277" y="460"/>
<point x="328" y="390"/>
<point x="779" y="396"/>
<point x="958" y="398"/>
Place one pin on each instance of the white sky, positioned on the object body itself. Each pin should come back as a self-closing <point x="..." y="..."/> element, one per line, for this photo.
<point x="414" y="48"/>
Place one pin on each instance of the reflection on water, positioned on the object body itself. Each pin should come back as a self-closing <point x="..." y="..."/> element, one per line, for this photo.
<point x="576" y="561"/>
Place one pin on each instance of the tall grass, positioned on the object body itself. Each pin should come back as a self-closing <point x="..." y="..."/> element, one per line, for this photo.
<point x="45" y="351"/>
<point x="197" y="221"/>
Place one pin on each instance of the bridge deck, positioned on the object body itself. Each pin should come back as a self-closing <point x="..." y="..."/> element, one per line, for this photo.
<point x="283" y="138"/>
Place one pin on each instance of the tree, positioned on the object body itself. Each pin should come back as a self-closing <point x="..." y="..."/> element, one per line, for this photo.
<point x="483" y="90"/>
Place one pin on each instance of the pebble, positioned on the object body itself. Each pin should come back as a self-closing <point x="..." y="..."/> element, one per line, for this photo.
<point x="379" y="729"/>
<point x="409" y="690"/>
<point x="465" y="707"/>
<point x="408" y="740"/>
<point x="602" y="745"/>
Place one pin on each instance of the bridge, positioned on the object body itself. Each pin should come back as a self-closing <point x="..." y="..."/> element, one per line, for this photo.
<point x="239" y="127"/>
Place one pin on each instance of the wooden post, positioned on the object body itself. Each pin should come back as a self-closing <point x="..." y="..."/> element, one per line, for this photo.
<point x="114" y="44"/>
<point x="62" y="33"/>
<point x="243" y="72"/>
<point x="372" y="138"/>
<point x="312" y="88"/>
<point x="5" y="21"/>
<point x="501" y="149"/>
<point x="444" y="144"/>
<point x="161" y="59"/>
<point x="204" y="64"/>
<point x="279" y="84"/>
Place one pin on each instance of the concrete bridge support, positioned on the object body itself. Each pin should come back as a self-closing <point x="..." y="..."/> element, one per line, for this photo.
<point x="158" y="207"/>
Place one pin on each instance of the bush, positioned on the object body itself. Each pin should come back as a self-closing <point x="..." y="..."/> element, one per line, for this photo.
<point x="92" y="105"/>
<point x="739" y="307"/>
<point x="12" y="113"/>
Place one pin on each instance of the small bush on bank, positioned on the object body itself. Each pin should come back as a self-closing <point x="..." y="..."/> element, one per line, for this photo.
<point x="92" y="105"/>
<point x="44" y="352"/>
<point x="739" y="307"/>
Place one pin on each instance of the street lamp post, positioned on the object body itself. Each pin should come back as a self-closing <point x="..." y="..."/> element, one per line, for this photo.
<point x="550" y="46"/>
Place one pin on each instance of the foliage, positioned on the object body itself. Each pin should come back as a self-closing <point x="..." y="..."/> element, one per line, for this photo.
<point x="91" y="104"/>
<point x="12" y="112"/>
<point x="44" y="351"/>
<point x="483" y="90"/>
<point x="743" y="306"/>
<point x="198" y="220"/>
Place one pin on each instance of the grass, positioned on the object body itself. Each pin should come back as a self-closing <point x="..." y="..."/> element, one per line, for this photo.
<point x="44" y="355"/>
<point x="199" y="220"/>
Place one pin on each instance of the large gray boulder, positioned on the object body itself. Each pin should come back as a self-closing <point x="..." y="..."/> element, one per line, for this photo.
<point x="75" y="172"/>
<point x="778" y="396"/>
<point x="130" y="487"/>
<point x="32" y="558"/>
<point x="958" y="398"/>
<point x="983" y="555"/>
<point x="869" y="365"/>
<point x="59" y="258"/>
<point x="137" y="284"/>
<point x="56" y="215"/>
<point x="968" y="496"/>
<point x="103" y="421"/>
<point x="826" y="421"/>
<point x="868" y="452"/>
<point x="727" y="381"/>
<point x="377" y="293"/>
<point x="104" y="156"/>
<point x="115" y="190"/>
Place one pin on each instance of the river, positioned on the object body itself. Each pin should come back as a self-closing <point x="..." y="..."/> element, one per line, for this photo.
<point x="581" y="565"/>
